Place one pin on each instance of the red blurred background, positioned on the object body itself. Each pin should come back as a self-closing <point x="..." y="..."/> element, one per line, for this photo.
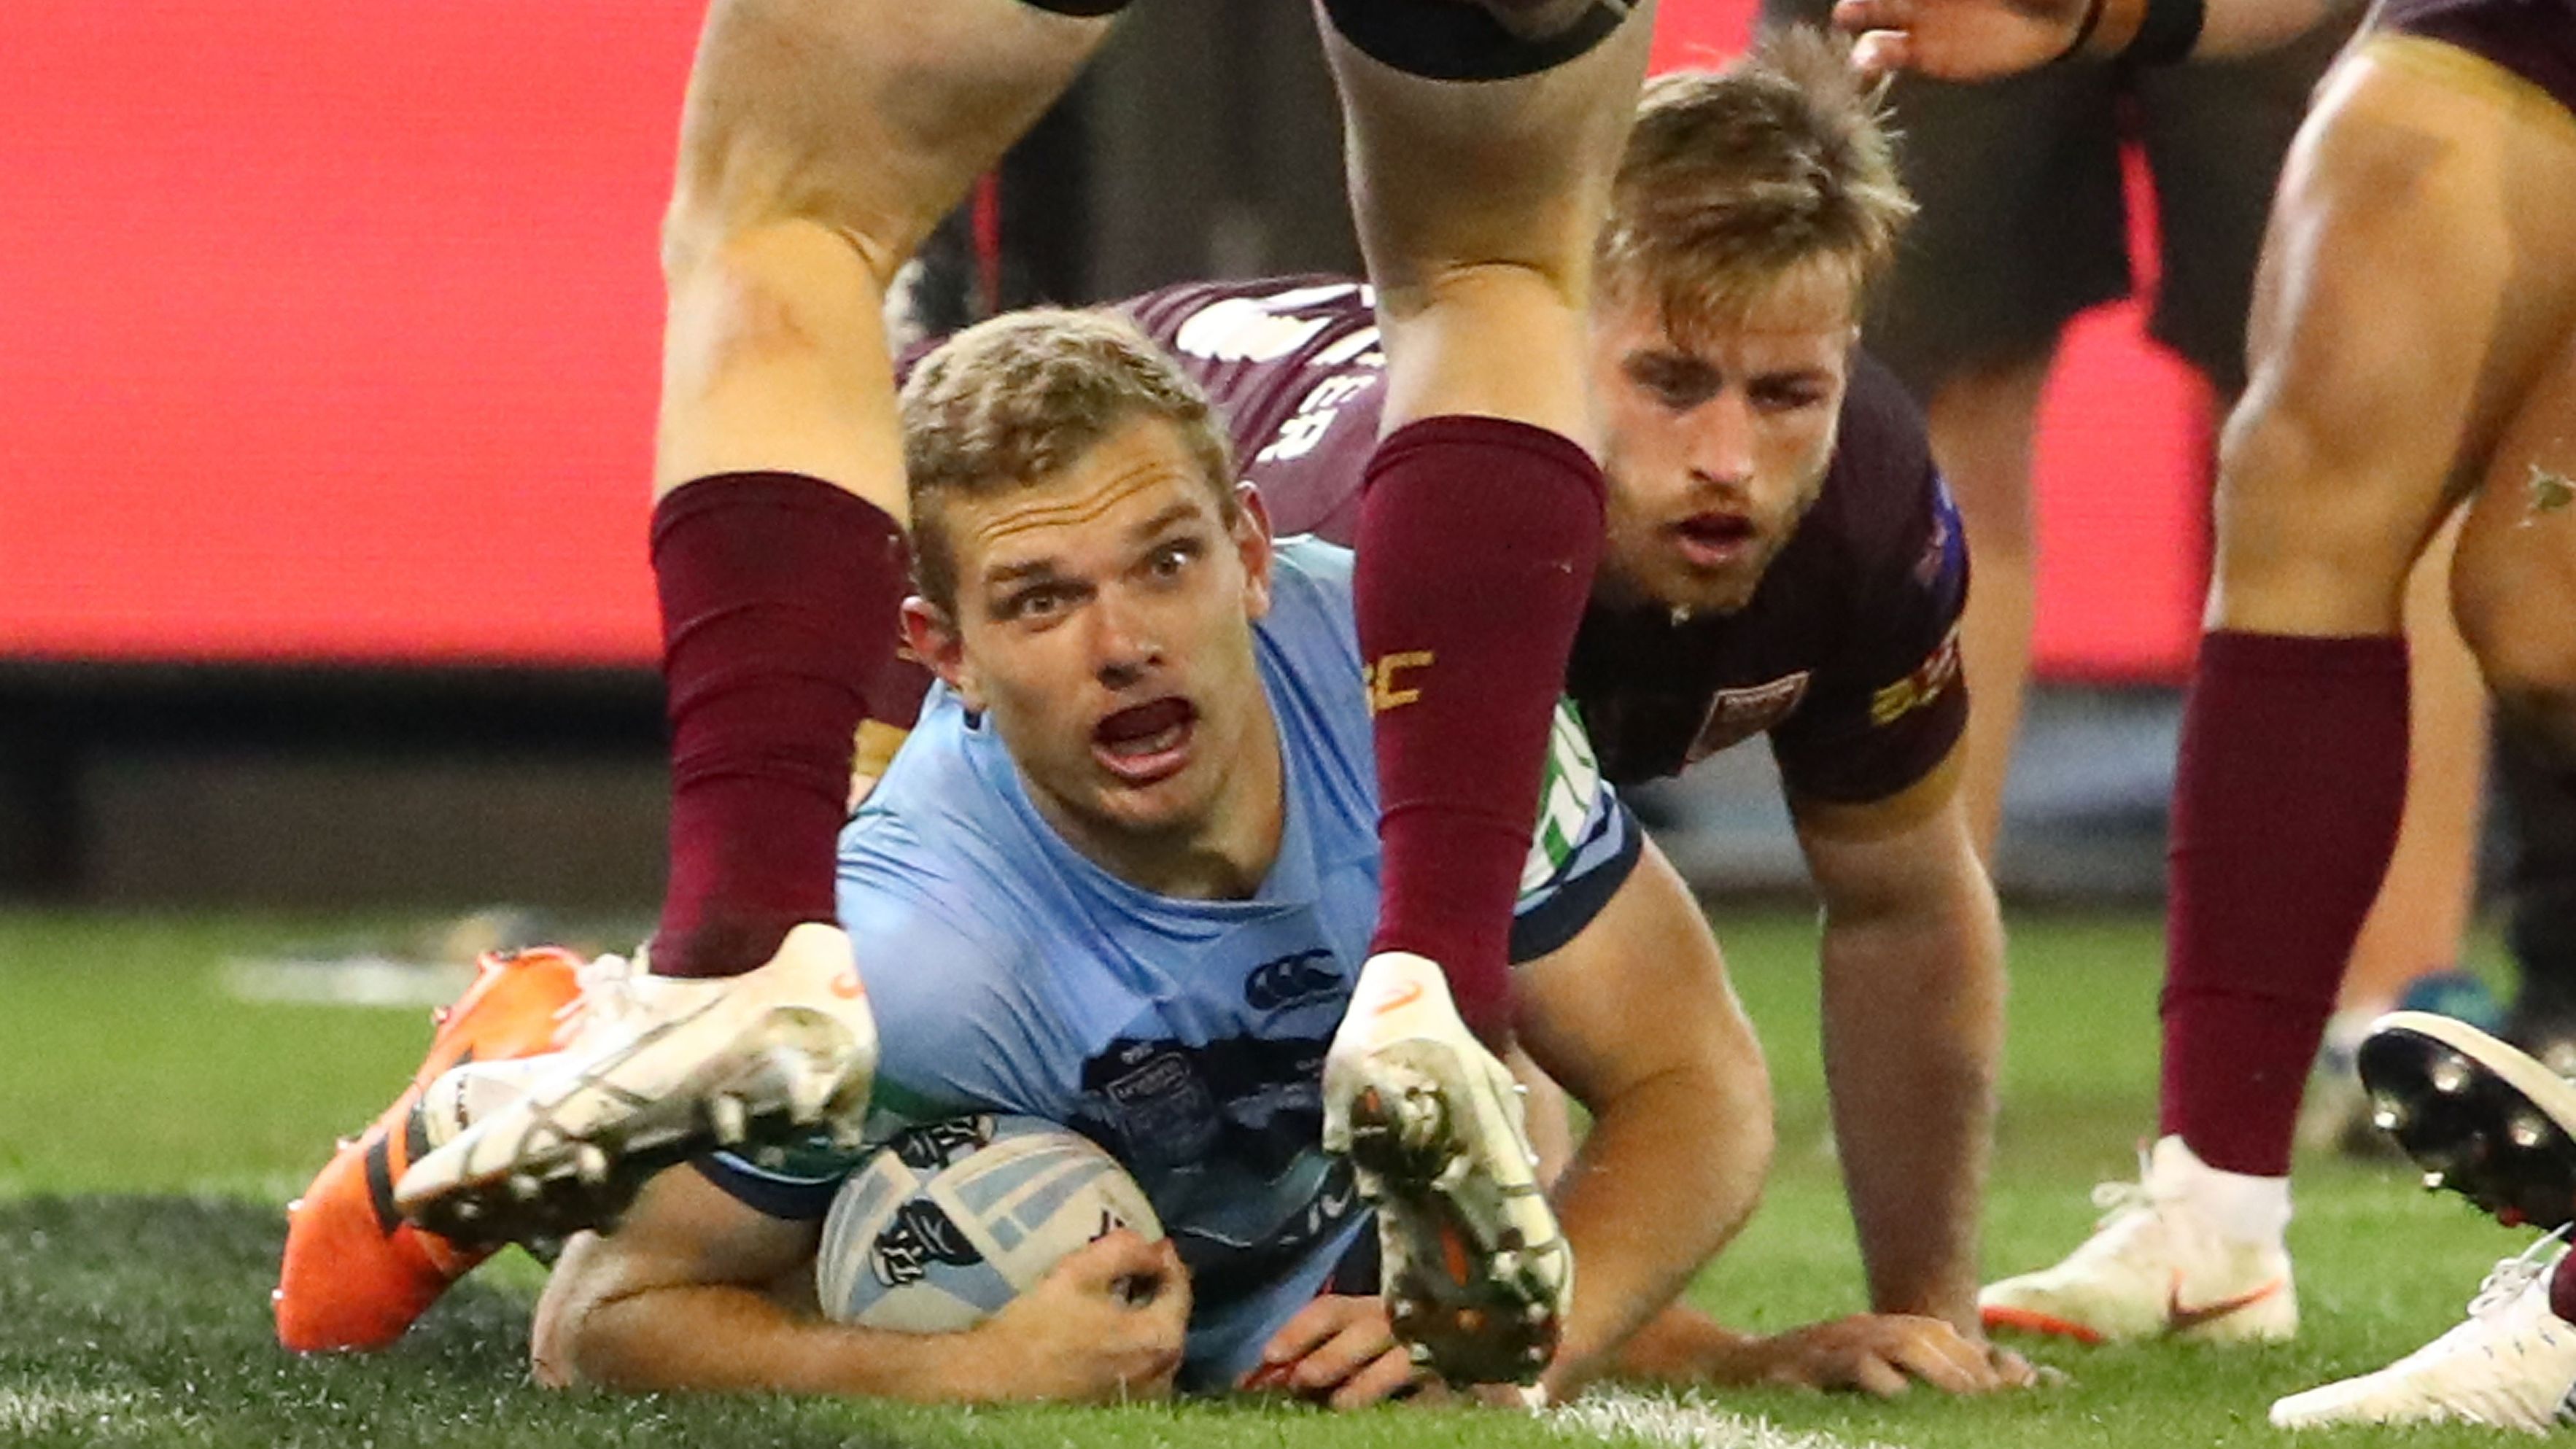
<point x="328" y="333"/>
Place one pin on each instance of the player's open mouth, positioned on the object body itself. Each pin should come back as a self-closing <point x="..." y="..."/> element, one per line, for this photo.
<point x="1145" y="743"/>
<point x="1714" y="540"/>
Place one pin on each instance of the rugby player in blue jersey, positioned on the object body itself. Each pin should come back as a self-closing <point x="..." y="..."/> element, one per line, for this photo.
<point x="1145" y="782"/>
<point x="1783" y="563"/>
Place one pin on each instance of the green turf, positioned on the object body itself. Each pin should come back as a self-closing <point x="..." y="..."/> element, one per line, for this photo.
<point x="150" y="1125"/>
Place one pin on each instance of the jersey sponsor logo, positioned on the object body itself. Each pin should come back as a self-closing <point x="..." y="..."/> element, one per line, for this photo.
<point x="1737" y="715"/>
<point x="1259" y="329"/>
<point x="920" y="1235"/>
<point x="935" y="1145"/>
<point x="1163" y="1107"/>
<point x="1928" y="682"/>
<point x="1294" y="980"/>
<point x="1383" y="691"/>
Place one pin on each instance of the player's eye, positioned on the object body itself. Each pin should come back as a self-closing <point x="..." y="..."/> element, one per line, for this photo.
<point x="1678" y="383"/>
<point x="1784" y="395"/>
<point x="1037" y="604"/>
<point x="1169" y="560"/>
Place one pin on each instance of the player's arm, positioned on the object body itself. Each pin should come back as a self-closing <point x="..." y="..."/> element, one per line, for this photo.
<point x="1635" y="1017"/>
<point x="1912" y="956"/>
<point x="697" y="1290"/>
<point x="1976" y="40"/>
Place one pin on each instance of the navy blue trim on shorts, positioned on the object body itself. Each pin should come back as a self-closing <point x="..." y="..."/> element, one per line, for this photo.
<point x="1563" y="915"/>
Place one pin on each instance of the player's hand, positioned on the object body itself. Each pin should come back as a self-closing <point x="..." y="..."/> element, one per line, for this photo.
<point x="1881" y="1354"/>
<point x="1105" y="1325"/>
<point x="1957" y="40"/>
<point x="1340" y="1351"/>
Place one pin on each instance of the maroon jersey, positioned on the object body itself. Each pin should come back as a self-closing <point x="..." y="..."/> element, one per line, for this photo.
<point x="1847" y="654"/>
<point x="2534" y="39"/>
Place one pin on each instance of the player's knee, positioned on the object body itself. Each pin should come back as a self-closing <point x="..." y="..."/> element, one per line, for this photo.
<point x="2311" y="538"/>
<point x="1486" y="40"/>
<point x="2524" y="649"/>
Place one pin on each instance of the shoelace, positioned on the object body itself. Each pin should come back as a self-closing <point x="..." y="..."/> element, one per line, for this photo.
<point x="2512" y="1277"/>
<point x="2116" y="1200"/>
<point x="608" y="992"/>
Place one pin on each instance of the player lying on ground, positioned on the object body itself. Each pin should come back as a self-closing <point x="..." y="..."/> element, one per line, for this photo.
<point x="2413" y="355"/>
<point x="1143" y="793"/>
<point x="822" y="139"/>
<point x="1782" y="560"/>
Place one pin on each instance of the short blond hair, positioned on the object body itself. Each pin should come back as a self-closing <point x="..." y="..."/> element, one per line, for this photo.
<point x="1016" y="400"/>
<point x="1781" y="164"/>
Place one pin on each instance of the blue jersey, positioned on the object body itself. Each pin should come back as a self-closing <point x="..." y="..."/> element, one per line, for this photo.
<point x="1009" y="973"/>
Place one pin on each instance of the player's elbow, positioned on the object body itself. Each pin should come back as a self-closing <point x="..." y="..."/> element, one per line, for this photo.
<point x="574" y="1342"/>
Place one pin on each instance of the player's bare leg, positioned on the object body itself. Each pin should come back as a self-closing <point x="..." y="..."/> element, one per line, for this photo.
<point x="1482" y="144"/>
<point x="2396" y="325"/>
<point x="1982" y="420"/>
<point x="822" y="140"/>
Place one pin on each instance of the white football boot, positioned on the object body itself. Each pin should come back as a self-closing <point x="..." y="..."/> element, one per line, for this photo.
<point x="2478" y="1115"/>
<point x="679" y="1067"/>
<point x="1477" y="1278"/>
<point x="2158" y="1263"/>
<point x="2511" y="1365"/>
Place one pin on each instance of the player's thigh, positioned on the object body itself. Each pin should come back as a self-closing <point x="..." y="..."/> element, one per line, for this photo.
<point x="2397" y="318"/>
<point x="1478" y="200"/>
<point x="2513" y="585"/>
<point x="870" y="116"/>
<point x="820" y="142"/>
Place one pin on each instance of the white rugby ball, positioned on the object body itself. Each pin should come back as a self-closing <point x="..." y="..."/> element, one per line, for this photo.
<point x="949" y="1222"/>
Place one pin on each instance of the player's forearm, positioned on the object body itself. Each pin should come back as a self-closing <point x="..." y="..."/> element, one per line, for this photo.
<point x="1667" y="1176"/>
<point x="1913" y="1002"/>
<point x="721" y="1338"/>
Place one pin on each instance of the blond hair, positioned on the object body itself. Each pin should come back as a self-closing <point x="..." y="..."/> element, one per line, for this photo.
<point x="1016" y="400"/>
<point x="1780" y="165"/>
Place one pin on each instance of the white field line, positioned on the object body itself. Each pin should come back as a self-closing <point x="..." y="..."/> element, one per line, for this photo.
<point x="1624" y="1417"/>
<point x="106" y="1413"/>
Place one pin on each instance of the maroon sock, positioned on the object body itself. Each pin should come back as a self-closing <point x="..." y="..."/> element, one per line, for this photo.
<point x="779" y="599"/>
<point x="2562" y="1289"/>
<point x="2286" y="799"/>
<point x="1477" y="541"/>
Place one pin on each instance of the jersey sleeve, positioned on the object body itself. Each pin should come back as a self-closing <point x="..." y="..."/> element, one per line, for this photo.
<point x="1890" y="707"/>
<point x="1582" y="850"/>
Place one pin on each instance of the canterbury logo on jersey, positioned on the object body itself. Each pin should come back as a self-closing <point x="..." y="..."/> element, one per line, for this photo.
<point x="1307" y="976"/>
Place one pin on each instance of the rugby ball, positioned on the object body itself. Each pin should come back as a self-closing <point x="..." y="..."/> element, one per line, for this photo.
<point x="949" y="1222"/>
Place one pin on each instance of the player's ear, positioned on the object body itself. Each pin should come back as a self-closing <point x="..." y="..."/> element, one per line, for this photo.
<point x="1252" y="545"/>
<point x="932" y="637"/>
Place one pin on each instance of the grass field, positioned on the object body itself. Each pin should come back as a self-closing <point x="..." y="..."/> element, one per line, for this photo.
<point x="151" y="1125"/>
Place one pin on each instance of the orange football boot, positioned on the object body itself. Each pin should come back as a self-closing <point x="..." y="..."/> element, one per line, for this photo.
<point x="356" y="1273"/>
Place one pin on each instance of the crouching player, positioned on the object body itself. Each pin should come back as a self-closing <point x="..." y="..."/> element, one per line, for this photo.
<point x="1145" y="787"/>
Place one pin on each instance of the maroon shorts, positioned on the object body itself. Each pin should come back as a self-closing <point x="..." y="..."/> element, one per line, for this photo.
<point x="2534" y="39"/>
